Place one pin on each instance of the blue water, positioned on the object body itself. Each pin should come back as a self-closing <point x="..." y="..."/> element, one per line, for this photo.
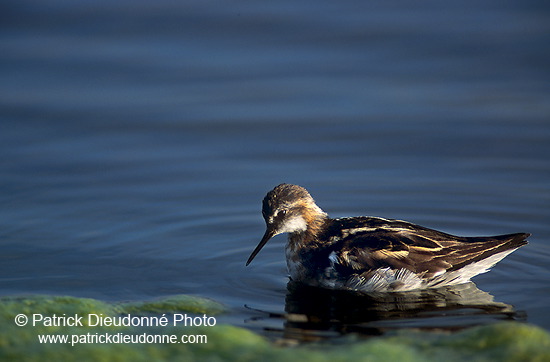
<point x="138" y="138"/>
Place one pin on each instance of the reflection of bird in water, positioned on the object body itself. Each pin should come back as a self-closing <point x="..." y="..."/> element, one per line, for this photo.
<point x="316" y="314"/>
<point x="371" y="254"/>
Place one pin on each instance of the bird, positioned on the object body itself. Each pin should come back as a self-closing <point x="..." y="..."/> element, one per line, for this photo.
<point x="373" y="254"/>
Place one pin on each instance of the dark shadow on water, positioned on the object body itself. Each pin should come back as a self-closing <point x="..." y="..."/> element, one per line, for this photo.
<point x="313" y="314"/>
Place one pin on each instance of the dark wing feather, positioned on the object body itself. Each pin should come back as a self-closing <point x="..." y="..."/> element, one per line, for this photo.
<point x="367" y="243"/>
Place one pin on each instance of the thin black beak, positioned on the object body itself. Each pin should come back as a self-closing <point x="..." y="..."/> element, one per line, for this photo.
<point x="268" y="235"/>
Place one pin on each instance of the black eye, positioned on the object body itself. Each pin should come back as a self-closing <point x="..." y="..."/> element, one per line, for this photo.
<point x="282" y="212"/>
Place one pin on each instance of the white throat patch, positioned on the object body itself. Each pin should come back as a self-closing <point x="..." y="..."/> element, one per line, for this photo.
<point x="292" y="225"/>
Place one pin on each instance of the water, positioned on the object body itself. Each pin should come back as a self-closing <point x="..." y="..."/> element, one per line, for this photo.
<point x="138" y="139"/>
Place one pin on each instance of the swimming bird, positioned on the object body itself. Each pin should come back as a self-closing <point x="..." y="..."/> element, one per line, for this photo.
<point x="373" y="254"/>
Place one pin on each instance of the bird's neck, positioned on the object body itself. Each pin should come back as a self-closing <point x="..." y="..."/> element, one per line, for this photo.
<point x="316" y="223"/>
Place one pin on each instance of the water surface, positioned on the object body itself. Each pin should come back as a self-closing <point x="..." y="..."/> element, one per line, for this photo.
<point x="138" y="139"/>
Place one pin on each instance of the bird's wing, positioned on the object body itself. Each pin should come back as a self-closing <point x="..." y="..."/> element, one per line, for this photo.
<point x="367" y="243"/>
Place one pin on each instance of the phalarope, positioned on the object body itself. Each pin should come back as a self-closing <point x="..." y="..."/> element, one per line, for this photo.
<point x="372" y="254"/>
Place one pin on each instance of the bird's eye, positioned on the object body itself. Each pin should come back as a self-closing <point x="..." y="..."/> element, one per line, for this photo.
<point x="282" y="212"/>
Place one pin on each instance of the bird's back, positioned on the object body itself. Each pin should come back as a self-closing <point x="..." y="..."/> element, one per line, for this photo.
<point x="362" y="248"/>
